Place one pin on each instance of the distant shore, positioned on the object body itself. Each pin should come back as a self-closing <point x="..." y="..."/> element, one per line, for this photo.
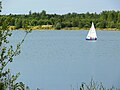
<point x="50" y="27"/>
<point x="106" y="20"/>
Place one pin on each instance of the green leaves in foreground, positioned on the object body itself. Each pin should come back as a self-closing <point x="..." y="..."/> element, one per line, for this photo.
<point x="7" y="54"/>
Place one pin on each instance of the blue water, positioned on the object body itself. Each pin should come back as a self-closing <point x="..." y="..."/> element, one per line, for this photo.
<point x="55" y="60"/>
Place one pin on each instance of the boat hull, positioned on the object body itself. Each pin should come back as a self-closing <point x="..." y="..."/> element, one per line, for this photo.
<point x="91" y="38"/>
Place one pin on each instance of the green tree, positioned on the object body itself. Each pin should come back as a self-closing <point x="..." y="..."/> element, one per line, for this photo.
<point x="2" y="86"/>
<point x="118" y="20"/>
<point x="7" y="54"/>
<point x="5" y="26"/>
<point x="118" y="26"/>
<point x="81" y="25"/>
<point x="75" y="23"/>
<point x="101" y="24"/>
<point x="58" y="26"/>
<point x="0" y="6"/>
<point x="104" y="15"/>
<point x="106" y="19"/>
<point x="12" y="22"/>
<point x="43" y="14"/>
<point x="30" y="12"/>
<point x="25" y="24"/>
<point x="18" y="23"/>
<point x="110" y="16"/>
<point x="34" y="22"/>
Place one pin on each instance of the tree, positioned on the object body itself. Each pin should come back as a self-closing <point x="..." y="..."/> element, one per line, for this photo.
<point x="101" y="24"/>
<point x="4" y="26"/>
<point x="43" y="14"/>
<point x="25" y="24"/>
<point x="34" y="22"/>
<point x="58" y="26"/>
<point x="118" y="17"/>
<point x="110" y="16"/>
<point x="0" y="6"/>
<point x="12" y="22"/>
<point x="75" y="23"/>
<point x="18" y="23"/>
<point x="118" y="25"/>
<point x="7" y="54"/>
<point x="30" y="12"/>
<point x="104" y="15"/>
<point x="80" y="24"/>
<point x="106" y="19"/>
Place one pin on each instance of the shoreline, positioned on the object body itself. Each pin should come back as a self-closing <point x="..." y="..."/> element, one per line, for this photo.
<point x="52" y="28"/>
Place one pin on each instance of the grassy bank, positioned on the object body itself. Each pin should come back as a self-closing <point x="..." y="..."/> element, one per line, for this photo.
<point x="50" y="27"/>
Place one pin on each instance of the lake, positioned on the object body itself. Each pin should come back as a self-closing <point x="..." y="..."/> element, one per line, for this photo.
<point x="59" y="59"/>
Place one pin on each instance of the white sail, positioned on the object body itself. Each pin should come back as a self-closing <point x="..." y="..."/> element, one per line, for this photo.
<point x="92" y="33"/>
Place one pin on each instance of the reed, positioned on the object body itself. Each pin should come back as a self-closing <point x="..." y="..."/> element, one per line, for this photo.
<point x="95" y="86"/>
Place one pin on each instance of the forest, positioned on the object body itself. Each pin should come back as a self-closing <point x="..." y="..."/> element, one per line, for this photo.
<point x="103" y="20"/>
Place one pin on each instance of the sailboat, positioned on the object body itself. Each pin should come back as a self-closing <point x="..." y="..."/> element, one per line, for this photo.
<point x="92" y="33"/>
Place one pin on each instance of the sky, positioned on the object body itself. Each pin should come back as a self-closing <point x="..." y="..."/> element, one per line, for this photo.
<point x="58" y="6"/>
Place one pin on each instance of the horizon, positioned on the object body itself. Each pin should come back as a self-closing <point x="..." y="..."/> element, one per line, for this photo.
<point x="58" y="7"/>
<point x="58" y="13"/>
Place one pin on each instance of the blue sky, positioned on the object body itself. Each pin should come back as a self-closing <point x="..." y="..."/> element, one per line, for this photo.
<point x="58" y="6"/>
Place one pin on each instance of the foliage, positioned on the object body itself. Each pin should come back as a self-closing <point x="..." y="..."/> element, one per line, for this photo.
<point x="7" y="53"/>
<point x="105" y="19"/>
<point x="58" y="26"/>
<point x="18" y="23"/>
<point x="94" y="86"/>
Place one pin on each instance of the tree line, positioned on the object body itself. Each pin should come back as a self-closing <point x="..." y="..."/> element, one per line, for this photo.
<point x="105" y="19"/>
